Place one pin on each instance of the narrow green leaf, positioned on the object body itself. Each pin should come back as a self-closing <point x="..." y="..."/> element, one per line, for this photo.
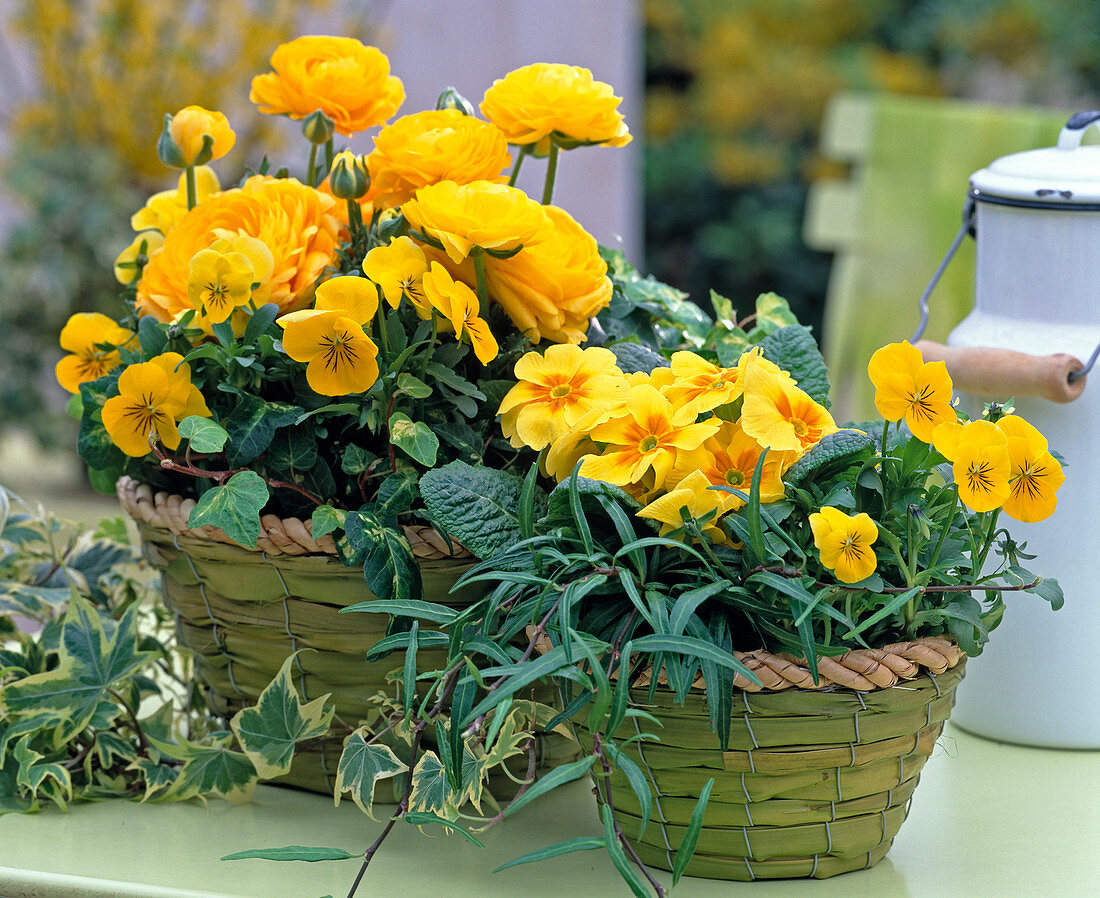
<point x="260" y="321"/>
<point x="691" y="836"/>
<point x="693" y="648"/>
<point x="580" y="843"/>
<point x="895" y="604"/>
<point x="432" y="611"/>
<point x="566" y="773"/>
<point x="294" y="853"/>
<point x="618" y="855"/>
<point x="638" y="783"/>
<point x="408" y="678"/>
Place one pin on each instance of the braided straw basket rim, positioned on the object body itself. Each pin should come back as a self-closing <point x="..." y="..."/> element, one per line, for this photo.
<point x="278" y="536"/>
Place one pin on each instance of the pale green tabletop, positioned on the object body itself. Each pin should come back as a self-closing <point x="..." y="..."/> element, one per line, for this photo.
<point x="986" y="820"/>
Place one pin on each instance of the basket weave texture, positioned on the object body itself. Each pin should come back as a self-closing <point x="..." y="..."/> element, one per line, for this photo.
<point x="814" y="782"/>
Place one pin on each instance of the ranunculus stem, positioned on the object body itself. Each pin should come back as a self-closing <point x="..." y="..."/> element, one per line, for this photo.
<point x="192" y="188"/>
<point x="355" y="219"/>
<point x="330" y="154"/>
<point x="522" y="154"/>
<point x="482" y="284"/>
<point x="311" y="172"/>
<point x="551" y="173"/>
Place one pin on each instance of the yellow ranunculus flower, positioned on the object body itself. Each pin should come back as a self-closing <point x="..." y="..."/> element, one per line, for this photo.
<point x="779" y="415"/>
<point x="693" y="495"/>
<point x="908" y="387"/>
<point x="219" y="283"/>
<point x="355" y="297"/>
<point x="144" y="244"/>
<point x="163" y="210"/>
<point x="729" y="459"/>
<point x="459" y="305"/>
<point x="701" y="386"/>
<point x="433" y="146"/>
<point x="190" y="128"/>
<point x="481" y="213"/>
<point x="293" y="221"/>
<point x="1034" y="474"/>
<point x="646" y="437"/>
<point x="153" y="397"/>
<point x="348" y="81"/>
<point x="555" y="390"/>
<point x="340" y="358"/>
<point x="92" y="341"/>
<point x="845" y="543"/>
<point x="537" y="102"/>
<point x="398" y="269"/>
<point x="552" y="288"/>
<point x="978" y="453"/>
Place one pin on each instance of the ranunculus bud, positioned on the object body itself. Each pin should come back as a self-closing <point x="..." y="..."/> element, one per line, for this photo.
<point x="194" y="136"/>
<point x="318" y="127"/>
<point x="348" y="179"/>
<point x="452" y="99"/>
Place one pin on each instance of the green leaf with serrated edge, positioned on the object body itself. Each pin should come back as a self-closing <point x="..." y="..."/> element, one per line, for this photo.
<point x="268" y="731"/>
<point x="89" y="665"/>
<point x="234" y="507"/>
<point x="580" y="843"/>
<point x="294" y="853"/>
<point x="477" y="506"/>
<point x="566" y="773"/>
<point x="361" y="766"/>
<point x="326" y="519"/>
<point x="618" y="855"/>
<point x="202" y="434"/>
<point x="430" y="791"/>
<point x="252" y="425"/>
<point x="691" y="835"/>
<point x="794" y="349"/>
<point x="420" y="818"/>
<point x="635" y="358"/>
<point x="414" y="438"/>
<point x="210" y="770"/>
<point x="389" y="567"/>
<point x="833" y="452"/>
<point x="157" y="777"/>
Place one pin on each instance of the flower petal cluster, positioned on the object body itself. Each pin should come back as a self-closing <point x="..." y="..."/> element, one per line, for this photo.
<point x="153" y="397"/>
<point x="91" y="340"/>
<point x="398" y="269"/>
<point x="845" y="542"/>
<point x="1034" y="474"/>
<point x="777" y="414"/>
<point x="348" y="81"/>
<point x="459" y="306"/>
<point x="907" y="387"/>
<point x="544" y="101"/>
<point x="432" y="146"/>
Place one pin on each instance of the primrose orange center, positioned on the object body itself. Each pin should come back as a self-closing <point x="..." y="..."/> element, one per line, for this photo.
<point x="648" y="444"/>
<point x="735" y="477"/>
<point x="800" y="427"/>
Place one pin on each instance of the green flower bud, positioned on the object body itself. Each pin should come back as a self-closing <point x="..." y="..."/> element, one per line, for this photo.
<point x="348" y="179"/>
<point x="168" y="151"/>
<point x="452" y="99"/>
<point x="318" y="127"/>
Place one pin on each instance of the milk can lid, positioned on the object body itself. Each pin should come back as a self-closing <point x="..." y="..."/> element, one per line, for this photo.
<point x="1067" y="174"/>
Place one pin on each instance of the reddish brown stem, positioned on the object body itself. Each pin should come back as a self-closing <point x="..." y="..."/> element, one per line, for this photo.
<point x="171" y="464"/>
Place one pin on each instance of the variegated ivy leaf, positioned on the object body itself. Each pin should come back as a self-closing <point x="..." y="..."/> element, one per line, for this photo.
<point x="430" y="790"/>
<point x="211" y="770"/>
<point x="33" y="777"/>
<point x="268" y="731"/>
<point x="361" y="766"/>
<point x="234" y="507"/>
<point x="157" y="777"/>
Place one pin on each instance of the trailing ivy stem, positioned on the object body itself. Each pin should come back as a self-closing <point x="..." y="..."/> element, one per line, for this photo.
<point x="515" y="169"/>
<point x="170" y="464"/>
<point x="311" y="171"/>
<point x="551" y="174"/>
<point x="192" y="189"/>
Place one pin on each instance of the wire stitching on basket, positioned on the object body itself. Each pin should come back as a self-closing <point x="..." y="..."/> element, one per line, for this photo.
<point x="813" y="871"/>
<point x="286" y="626"/>
<point x="829" y="838"/>
<point x="748" y="866"/>
<point x="748" y="845"/>
<point x="745" y="788"/>
<point x="656" y="795"/>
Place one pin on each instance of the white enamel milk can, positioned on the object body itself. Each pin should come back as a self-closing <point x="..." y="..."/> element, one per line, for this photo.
<point x="1036" y="314"/>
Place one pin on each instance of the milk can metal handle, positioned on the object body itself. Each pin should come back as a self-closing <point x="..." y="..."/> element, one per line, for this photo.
<point x="1069" y="138"/>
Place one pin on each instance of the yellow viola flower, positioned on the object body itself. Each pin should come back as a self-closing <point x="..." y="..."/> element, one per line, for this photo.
<point x="701" y="386"/>
<point x="354" y="297"/>
<point x="220" y="283"/>
<point x="646" y="437"/>
<point x="162" y="211"/>
<point x="544" y="101"/>
<point x="907" y="387"/>
<point x="555" y="390"/>
<point x="779" y="415"/>
<point x="433" y="146"/>
<point x="978" y="453"/>
<point x="459" y="305"/>
<point x="201" y="135"/>
<point x="729" y="458"/>
<point x="144" y="245"/>
<point x="844" y="542"/>
<point x="340" y="358"/>
<point x="694" y="496"/>
<point x="153" y="397"/>
<point x="92" y="341"/>
<point x="1034" y="474"/>
<point x="481" y="213"/>
<point x="348" y="81"/>
<point x="398" y="269"/>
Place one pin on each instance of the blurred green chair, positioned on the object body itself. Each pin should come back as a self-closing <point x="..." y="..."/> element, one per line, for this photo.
<point x="891" y="223"/>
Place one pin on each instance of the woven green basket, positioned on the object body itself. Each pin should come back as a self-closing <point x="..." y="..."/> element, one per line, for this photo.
<point x="813" y="782"/>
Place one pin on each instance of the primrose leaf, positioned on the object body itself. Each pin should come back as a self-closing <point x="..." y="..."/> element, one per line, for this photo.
<point x="833" y="452"/>
<point x="361" y="766"/>
<point x="414" y="438"/>
<point x="203" y="435"/>
<point x="635" y="357"/>
<point x="234" y="507"/>
<point x="269" y="730"/>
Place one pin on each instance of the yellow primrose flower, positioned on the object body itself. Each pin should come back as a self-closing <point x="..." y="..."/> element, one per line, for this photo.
<point x="647" y="436"/>
<point x="701" y="386"/>
<point x="779" y="415"/>
<point x="348" y="81"/>
<point x="92" y="339"/>
<point x="908" y="387"/>
<point x="433" y="146"/>
<point x="978" y="453"/>
<point x="845" y="543"/>
<point x="144" y="244"/>
<point x="398" y="269"/>
<point x="153" y="397"/>
<point x="568" y="449"/>
<point x="544" y="101"/>
<point x="729" y="459"/>
<point x="340" y="358"/>
<point x="201" y="135"/>
<point x="162" y="211"/>
<point x="693" y="495"/>
<point x="481" y="213"/>
<point x="459" y="305"/>
<point x="354" y="297"/>
<point x="555" y="390"/>
<point x="1034" y="474"/>
<point x="219" y="283"/>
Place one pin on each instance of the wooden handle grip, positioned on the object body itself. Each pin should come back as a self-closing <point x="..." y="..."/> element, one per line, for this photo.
<point x="1004" y="373"/>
